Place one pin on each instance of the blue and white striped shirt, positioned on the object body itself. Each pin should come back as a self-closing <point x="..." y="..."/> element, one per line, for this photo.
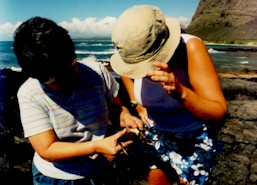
<point x="81" y="117"/>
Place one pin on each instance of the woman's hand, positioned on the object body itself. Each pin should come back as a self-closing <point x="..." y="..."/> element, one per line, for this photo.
<point x="110" y="146"/>
<point x="165" y="77"/>
<point x="129" y="121"/>
<point x="204" y="98"/>
<point x="142" y="112"/>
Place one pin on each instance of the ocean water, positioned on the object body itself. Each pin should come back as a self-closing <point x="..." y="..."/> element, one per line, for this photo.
<point x="224" y="59"/>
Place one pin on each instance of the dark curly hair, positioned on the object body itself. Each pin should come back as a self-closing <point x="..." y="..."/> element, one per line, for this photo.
<point x="43" y="49"/>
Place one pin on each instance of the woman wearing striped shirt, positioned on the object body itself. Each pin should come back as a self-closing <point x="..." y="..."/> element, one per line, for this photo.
<point x="63" y="107"/>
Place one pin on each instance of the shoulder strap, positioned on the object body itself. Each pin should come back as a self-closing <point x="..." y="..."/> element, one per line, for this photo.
<point x="179" y="62"/>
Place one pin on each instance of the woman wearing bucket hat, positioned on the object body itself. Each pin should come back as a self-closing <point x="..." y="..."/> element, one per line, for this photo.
<point x="176" y="81"/>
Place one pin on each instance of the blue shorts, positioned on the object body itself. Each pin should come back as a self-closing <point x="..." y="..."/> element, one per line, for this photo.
<point x="191" y="154"/>
<point x="103" y="178"/>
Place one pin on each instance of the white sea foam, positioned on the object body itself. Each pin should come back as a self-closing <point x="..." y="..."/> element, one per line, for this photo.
<point x="244" y="62"/>
<point x="108" y="52"/>
<point x="18" y="69"/>
<point x="90" y="44"/>
<point x="214" y="51"/>
<point x="102" y="51"/>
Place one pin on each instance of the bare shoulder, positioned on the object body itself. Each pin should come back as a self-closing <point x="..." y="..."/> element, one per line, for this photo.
<point x="195" y="43"/>
<point x="200" y="64"/>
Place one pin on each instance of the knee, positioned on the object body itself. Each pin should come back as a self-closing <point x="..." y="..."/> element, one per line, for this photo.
<point x="157" y="177"/>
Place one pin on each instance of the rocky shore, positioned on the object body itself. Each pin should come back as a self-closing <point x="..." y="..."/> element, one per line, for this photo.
<point x="236" y="164"/>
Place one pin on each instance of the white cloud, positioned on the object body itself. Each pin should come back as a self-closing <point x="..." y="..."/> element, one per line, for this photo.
<point x="89" y="27"/>
<point x="7" y="30"/>
<point x="184" y="21"/>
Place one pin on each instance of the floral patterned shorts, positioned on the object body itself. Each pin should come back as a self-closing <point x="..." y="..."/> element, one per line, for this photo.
<point x="191" y="154"/>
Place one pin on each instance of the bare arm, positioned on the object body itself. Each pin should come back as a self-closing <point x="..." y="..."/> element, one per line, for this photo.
<point x="205" y="100"/>
<point x="49" y="148"/>
<point x="129" y="85"/>
<point x="47" y="145"/>
<point x="126" y="119"/>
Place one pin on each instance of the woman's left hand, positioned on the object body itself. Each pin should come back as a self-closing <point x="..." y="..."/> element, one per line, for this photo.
<point x="165" y="77"/>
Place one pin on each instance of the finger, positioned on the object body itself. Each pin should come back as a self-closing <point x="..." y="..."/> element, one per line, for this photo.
<point x="161" y="78"/>
<point x="169" y="87"/>
<point x="147" y="121"/>
<point x="139" y="123"/>
<point x="144" y="118"/>
<point x="168" y="78"/>
<point x="123" y="149"/>
<point x="120" y="134"/>
<point x="125" y="144"/>
<point x="122" y="146"/>
<point x="157" y="73"/>
<point x="132" y="124"/>
<point x="110" y="158"/>
<point x="161" y="65"/>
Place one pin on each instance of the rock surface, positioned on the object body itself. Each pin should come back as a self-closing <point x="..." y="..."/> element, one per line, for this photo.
<point x="238" y="161"/>
<point x="237" y="164"/>
<point x="216" y="20"/>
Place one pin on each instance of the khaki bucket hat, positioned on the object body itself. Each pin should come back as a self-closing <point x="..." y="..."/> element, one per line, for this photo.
<point x="142" y="36"/>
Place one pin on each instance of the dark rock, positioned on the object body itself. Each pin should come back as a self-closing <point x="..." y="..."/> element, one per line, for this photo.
<point x="236" y="164"/>
<point x="16" y="152"/>
<point x="239" y="89"/>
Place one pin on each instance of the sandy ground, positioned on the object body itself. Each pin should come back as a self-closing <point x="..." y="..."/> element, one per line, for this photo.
<point x="247" y="75"/>
<point x="253" y="43"/>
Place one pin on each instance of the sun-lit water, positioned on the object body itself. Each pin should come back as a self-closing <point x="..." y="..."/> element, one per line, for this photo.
<point x="233" y="60"/>
<point x="103" y="49"/>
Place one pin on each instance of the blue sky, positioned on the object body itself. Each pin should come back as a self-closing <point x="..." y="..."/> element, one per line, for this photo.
<point x="84" y="18"/>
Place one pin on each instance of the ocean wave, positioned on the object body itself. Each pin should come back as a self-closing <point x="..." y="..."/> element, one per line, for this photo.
<point x="96" y="52"/>
<point x="244" y="62"/>
<point x="17" y="69"/>
<point x="89" y="44"/>
<point x="214" y="51"/>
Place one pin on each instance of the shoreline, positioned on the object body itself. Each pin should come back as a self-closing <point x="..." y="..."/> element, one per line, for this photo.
<point x="231" y="75"/>
<point x="246" y="74"/>
<point x="229" y="47"/>
<point x="247" y="44"/>
<point x="238" y="74"/>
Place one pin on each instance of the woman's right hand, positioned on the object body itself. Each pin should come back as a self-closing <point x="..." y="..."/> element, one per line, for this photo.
<point x="110" y="146"/>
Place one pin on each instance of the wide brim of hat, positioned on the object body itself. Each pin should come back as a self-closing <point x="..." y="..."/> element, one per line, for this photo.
<point x="140" y="69"/>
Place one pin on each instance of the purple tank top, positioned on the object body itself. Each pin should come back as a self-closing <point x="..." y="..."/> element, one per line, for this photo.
<point x="165" y="110"/>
